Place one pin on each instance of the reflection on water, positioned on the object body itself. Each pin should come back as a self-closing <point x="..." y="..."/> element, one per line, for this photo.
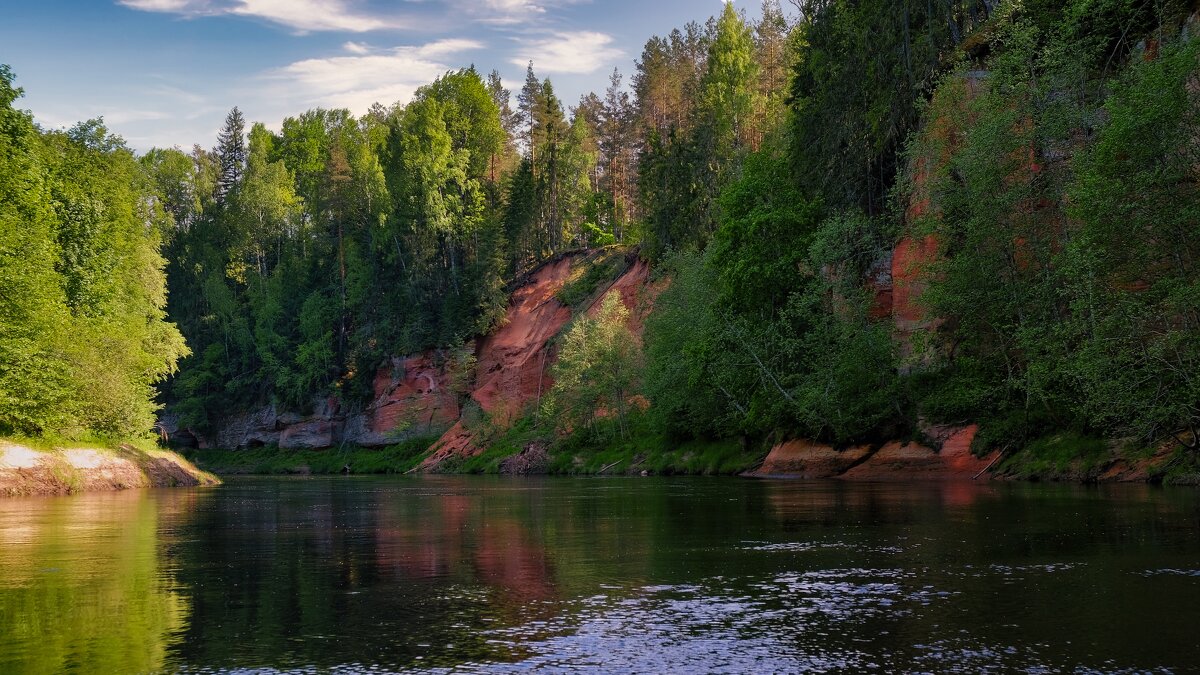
<point x="82" y="586"/>
<point x="436" y="573"/>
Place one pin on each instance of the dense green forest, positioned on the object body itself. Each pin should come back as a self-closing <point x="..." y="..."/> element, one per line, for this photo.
<point x="1046" y="152"/>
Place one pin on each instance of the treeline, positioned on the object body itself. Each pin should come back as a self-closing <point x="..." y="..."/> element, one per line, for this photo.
<point x="83" y="335"/>
<point x="300" y="262"/>
<point x="1034" y="162"/>
<point x="1041" y="159"/>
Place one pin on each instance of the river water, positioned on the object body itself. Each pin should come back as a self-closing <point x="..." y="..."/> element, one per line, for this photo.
<point x="351" y="575"/>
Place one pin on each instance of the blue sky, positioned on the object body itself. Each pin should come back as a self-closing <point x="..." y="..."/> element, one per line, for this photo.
<point x="165" y="72"/>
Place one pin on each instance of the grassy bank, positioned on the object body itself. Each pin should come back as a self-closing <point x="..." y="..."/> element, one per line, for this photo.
<point x="268" y="460"/>
<point x="529" y="448"/>
<point x="521" y="449"/>
<point x="1076" y="458"/>
<point x="43" y="466"/>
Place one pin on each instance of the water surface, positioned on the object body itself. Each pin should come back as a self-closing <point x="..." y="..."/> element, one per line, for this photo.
<point x="647" y="574"/>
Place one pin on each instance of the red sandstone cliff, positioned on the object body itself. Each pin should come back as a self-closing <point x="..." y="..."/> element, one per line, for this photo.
<point x="514" y="361"/>
<point x="412" y="395"/>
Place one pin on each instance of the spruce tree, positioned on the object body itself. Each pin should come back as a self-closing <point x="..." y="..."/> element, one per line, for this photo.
<point x="231" y="153"/>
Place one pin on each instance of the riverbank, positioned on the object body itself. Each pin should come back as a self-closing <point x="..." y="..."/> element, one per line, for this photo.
<point x="654" y="456"/>
<point x="28" y="468"/>
<point x="1063" y="458"/>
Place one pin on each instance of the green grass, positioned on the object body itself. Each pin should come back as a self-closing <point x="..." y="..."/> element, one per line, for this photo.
<point x="268" y="460"/>
<point x="591" y="272"/>
<point x="1064" y="456"/>
<point x="602" y="451"/>
<point x="656" y="455"/>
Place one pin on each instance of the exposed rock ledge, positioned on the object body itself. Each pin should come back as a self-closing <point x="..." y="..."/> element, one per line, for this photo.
<point x="26" y="471"/>
<point x="890" y="461"/>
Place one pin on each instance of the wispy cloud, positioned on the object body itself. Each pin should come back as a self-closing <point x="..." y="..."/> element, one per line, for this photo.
<point x="357" y="81"/>
<point x="506" y="11"/>
<point x="300" y="15"/>
<point x="173" y="6"/>
<point x="578" y="52"/>
<point x="312" y="15"/>
<point x="510" y="13"/>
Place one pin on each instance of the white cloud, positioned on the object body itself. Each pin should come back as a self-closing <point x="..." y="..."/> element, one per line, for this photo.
<point x="508" y="11"/>
<point x="448" y="47"/>
<point x="310" y="15"/>
<point x="579" y="52"/>
<point x="300" y="15"/>
<point x="355" y="82"/>
<point x="174" y="6"/>
<point x="356" y="47"/>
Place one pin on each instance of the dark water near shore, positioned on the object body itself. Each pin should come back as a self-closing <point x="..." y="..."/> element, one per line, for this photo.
<point x="355" y="575"/>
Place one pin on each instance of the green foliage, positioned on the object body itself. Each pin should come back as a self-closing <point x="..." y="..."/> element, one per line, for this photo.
<point x="1130" y="273"/>
<point x="762" y="246"/>
<point x="770" y="330"/>
<point x="82" y="325"/>
<point x="1064" y="209"/>
<point x="728" y="89"/>
<point x="698" y="129"/>
<point x="590" y="272"/>
<point x="1049" y="160"/>
<point x="598" y="363"/>
<point x="860" y="72"/>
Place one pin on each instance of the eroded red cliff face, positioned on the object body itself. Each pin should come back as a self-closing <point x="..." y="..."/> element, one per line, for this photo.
<point x="514" y="361"/>
<point x="413" y="395"/>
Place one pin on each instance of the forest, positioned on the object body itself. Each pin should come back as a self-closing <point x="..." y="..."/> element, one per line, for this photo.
<point x="1042" y="156"/>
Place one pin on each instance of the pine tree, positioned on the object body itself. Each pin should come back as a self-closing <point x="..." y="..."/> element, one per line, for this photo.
<point x="549" y="135"/>
<point x="510" y="122"/>
<point x="527" y="102"/>
<point x="771" y="40"/>
<point x="231" y="153"/>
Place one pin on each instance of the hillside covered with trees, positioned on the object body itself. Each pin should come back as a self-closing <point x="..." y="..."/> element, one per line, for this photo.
<point x="865" y="219"/>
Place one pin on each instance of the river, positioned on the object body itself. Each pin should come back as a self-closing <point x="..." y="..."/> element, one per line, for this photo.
<point x="355" y="574"/>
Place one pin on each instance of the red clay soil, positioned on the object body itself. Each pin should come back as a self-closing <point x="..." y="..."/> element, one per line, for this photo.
<point x="413" y="391"/>
<point x="891" y="461"/>
<point x="636" y="294"/>
<point x="910" y="262"/>
<point x="515" y="360"/>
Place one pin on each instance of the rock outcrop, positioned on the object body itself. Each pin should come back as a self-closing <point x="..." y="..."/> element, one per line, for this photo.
<point x="412" y="397"/>
<point x="895" y="460"/>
